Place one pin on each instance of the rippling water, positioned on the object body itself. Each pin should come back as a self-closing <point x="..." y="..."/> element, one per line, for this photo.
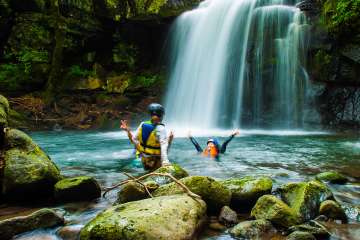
<point x="285" y="156"/>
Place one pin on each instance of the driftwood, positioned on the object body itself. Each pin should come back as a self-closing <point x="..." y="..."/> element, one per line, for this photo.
<point x="138" y="180"/>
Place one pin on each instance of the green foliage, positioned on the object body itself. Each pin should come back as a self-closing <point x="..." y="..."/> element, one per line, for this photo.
<point x="12" y="76"/>
<point x="342" y="16"/>
<point x="147" y="80"/>
<point x="76" y="72"/>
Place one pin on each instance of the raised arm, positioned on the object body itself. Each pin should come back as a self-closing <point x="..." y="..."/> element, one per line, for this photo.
<point x="224" y="145"/>
<point x="196" y="144"/>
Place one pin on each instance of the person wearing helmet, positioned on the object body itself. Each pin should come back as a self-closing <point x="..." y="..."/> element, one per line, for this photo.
<point x="213" y="147"/>
<point x="150" y="139"/>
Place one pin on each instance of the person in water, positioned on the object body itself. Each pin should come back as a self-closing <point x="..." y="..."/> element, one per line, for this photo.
<point x="150" y="139"/>
<point x="213" y="147"/>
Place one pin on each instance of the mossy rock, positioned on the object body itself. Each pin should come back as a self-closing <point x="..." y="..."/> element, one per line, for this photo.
<point x="316" y="231"/>
<point x="276" y="211"/>
<point x="332" y="177"/>
<point x="80" y="188"/>
<point x="29" y="173"/>
<point x="298" y="235"/>
<point x="332" y="210"/>
<point x="246" y="191"/>
<point x="4" y="111"/>
<point x="214" y="193"/>
<point x="305" y="197"/>
<point x="134" y="191"/>
<point x="174" y="170"/>
<point x="43" y="218"/>
<point x="255" y="229"/>
<point x="4" y="103"/>
<point x="174" y="217"/>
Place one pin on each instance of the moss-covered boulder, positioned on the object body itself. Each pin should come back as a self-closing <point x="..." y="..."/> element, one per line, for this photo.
<point x="174" y="217"/>
<point x="134" y="191"/>
<point x="43" y="218"/>
<point x="80" y="188"/>
<point x="256" y="229"/>
<point x="4" y="111"/>
<point x="28" y="172"/>
<point x="276" y="211"/>
<point x="305" y="197"/>
<point x="245" y="191"/>
<point x="174" y="170"/>
<point x="214" y="193"/>
<point x="298" y="235"/>
<point x="332" y="177"/>
<point x="332" y="210"/>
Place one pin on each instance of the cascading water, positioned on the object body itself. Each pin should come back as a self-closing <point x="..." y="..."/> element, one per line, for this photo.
<point x="238" y="63"/>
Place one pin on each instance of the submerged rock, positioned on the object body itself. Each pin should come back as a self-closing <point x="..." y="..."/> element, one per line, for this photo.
<point x="214" y="193"/>
<point x="256" y="229"/>
<point x="228" y="216"/>
<point x="70" y="232"/>
<point x="332" y="177"/>
<point x="332" y="210"/>
<point x="29" y="172"/>
<point x="305" y="197"/>
<point x="174" y="217"/>
<point x="276" y="211"/>
<point x="245" y="191"/>
<point x="316" y="231"/>
<point x="43" y="218"/>
<point x="77" y="189"/>
<point x="298" y="235"/>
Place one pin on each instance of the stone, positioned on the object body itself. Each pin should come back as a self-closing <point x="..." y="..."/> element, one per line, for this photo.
<point x="305" y="197"/>
<point x="29" y="173"/>
<point x="332" y="210"/>
<point x="80" y="188"/>
<point x="214" y="193"/>
<point x="134" y="191"/>
<point x="316" y="231"/>
<point x="175" y="217"/>
<point x="255" y="229"/>
<point x="228" y="216"/>
<point x="276" y="211"/>
<point x="70" y="232"/>
<point x="174" y="170"/>
<point x="246" y="191"/>
<point x="332" y="177"/>
<point x="300" y="236"/>
<point x="43" y="218"/>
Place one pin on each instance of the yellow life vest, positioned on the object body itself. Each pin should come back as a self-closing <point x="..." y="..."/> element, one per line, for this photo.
<point x="149" y="143"/>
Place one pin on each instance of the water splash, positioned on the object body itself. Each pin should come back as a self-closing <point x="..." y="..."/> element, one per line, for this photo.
<point x="238" y="63"/>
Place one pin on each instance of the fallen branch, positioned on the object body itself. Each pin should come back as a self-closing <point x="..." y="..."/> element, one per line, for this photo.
<point x="133" y="179"/>
<point x="142" y="184"/>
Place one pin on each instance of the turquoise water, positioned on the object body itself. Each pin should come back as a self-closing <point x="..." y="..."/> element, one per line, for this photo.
<point x="285" y="156"/>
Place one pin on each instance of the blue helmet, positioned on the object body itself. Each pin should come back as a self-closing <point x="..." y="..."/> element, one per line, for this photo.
<point x="214" y="141"/>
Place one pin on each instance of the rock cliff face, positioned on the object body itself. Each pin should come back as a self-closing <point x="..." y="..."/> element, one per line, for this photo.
<point x="334" y="63"/>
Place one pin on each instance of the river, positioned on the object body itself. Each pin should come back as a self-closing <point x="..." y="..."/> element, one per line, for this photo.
<point x="285" y="156"/>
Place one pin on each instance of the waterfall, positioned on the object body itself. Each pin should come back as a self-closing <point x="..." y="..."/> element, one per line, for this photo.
<point x="238" y="63"/>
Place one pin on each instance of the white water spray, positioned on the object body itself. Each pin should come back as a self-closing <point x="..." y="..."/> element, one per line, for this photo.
<point x="237" y="63"/>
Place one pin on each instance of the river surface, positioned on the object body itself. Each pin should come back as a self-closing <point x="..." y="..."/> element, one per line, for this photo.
<point x="284" y="156"/>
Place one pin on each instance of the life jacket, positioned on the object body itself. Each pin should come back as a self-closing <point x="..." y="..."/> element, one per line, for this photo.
<point x="213" y="152"/>
<point x="149" y="143"/>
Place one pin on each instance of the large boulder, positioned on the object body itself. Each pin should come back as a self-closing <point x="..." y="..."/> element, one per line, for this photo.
<point x="332" y="210"/>
<point x="43" y="218"/>
<point x="214" y="193"/>
<point x="29" y="172"/>
<point x="77" y="189"/>
<point x="255" y="229"/>
<point x="176" y="217"/>
<point x="332" y="177"/>
<point x="276" y="211"/>
<point x="245" y="191"/>
<point x="305" y="197"/>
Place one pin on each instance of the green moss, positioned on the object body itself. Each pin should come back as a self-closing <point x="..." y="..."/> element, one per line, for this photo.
<point x="332" y="210"/>
<point x="214" y="193"/>
<point x="276" y="211"/>
<point x="332" y="177"/>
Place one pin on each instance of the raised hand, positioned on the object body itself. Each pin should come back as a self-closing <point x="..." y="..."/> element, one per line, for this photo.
<point x="236" y="132"/>
<point x="124" y="125"/>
